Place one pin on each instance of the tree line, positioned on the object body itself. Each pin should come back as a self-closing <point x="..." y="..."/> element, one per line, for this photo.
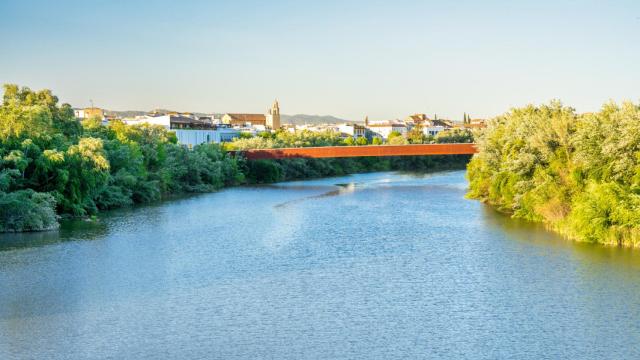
<point x="306" y="138"/>
<point x="51" y="164"/>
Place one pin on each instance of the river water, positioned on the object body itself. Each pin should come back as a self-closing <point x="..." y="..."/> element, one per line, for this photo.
<point x="369" y="266"/>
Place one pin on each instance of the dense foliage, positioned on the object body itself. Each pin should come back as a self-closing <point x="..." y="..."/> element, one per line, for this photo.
<point x="267" y="171"/>
<point x="52" y="164"/>
<point x="580" y="174"/>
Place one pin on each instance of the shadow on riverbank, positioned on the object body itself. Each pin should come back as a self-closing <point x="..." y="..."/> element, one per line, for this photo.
<point x="536" y="234"/>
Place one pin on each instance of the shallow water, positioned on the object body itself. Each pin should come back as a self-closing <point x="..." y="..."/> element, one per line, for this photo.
<point x="382" y="265"/>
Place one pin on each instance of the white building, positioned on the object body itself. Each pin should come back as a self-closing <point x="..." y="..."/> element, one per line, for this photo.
<point x="353" y="130"/>
<point x="433" y="127"/>
<point x="432" y="130"/>
<point x="383" y="129"/>
<point x="190" y="131"/>
<point x="193" y="137"/>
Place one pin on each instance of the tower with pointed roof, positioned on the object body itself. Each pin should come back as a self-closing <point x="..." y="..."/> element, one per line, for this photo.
<point x="273" y="118"/>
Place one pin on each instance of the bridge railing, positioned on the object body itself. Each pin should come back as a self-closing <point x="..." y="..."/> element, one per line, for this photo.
<point x="360" y="151"/>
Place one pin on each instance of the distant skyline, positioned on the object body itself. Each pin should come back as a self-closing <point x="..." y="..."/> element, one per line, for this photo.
<point x="343" y="58"/>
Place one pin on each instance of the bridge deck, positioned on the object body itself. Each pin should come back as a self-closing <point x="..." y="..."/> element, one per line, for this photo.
<point x="360" y="151"/>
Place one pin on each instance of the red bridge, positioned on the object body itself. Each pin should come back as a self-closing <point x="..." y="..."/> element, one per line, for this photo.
<point x="359" y="151"/>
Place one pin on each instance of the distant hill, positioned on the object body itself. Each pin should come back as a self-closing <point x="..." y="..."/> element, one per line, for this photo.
<point x="132" y="113"/>
<point x="298" y="119"/>
<point x="123" y="114"/>
<point x="301" y="119"/>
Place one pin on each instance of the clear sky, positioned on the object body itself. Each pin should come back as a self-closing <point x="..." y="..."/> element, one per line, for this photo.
<point x="384" y="59"/>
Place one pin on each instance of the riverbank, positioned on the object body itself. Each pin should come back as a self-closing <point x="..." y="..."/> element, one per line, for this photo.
<point x="271" y="171"/>
<point x="244" y="173"/>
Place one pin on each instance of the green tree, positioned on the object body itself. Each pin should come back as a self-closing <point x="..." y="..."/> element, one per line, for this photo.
<point x="349" y="141"/>
<point x="397" y="140"/>
<point x="393" y="134"/>
<point x="416" y="134"/>
<point x="454" y="136"/>
<point x="27" y="210"/>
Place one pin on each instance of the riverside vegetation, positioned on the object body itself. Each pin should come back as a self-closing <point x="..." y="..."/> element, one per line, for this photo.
<point x="52" y="165"/>
<point x="267" y="171"/>
<point x="577" y="173"/>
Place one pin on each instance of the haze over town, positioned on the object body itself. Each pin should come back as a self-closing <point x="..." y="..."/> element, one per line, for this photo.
<point x="347" y="59"/>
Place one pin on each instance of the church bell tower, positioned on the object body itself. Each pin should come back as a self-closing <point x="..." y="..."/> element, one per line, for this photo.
<point x="273" y="120"/>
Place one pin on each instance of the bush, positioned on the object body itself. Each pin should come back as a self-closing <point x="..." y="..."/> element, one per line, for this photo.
<point x="27" y="210"/>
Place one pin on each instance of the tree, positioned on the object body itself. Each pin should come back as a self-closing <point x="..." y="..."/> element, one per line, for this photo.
<point x="246" y="135"/>
<point x="376" y="141"/>
<point x="416" y="134"/>
<point x="397" y="140"/>
<point x="29" y="114"/>
<point x="88" y="172"/>
<point x="27" y="210"/>
<point x="17" y="160"/>
<point x="349" y="141"/>
<point x="362" y="141"/>
<point x="454" y="136"/>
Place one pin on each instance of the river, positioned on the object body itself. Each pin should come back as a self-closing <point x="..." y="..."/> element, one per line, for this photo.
<point x="369" y="266"/>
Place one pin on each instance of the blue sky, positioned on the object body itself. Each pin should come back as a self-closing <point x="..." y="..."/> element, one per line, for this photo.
<point x="384" y="59"/>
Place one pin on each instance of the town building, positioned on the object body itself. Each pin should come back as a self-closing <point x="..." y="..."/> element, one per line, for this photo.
<point x="193" y="137"/>
<point x="475" y="124"/>
<point x="384" y="129"/>
<point x="89" y="112"/>
<point x="353" y="130"/>
<point x="269" y="120"/>
<point x="417" y="118"/>
<point x="432" y="130"/>
<point x="190" y="131"/>
<point x="235" y="119"/>
<point x="433" y="127"/>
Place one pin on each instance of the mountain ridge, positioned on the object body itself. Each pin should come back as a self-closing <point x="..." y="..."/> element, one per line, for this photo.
<point x="297" y="119"/>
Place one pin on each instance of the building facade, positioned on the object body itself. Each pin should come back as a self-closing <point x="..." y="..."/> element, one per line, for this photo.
<point x="353" y="130"/>
<point x="417" y="118"/>
<point x="193" y="137"/>
<point x="190" y="131"/>
<point x="270" y="120"/>
<point x="89" y="112"/>
<point x="383" y="130"/>
<point x="236" y="119"/>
